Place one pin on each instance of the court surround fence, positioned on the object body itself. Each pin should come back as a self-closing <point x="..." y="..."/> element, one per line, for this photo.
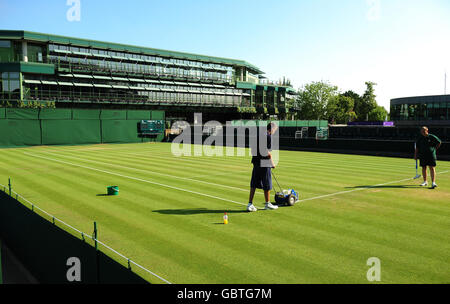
<point x="31" y="127"/>
<point x="44" y="246"/>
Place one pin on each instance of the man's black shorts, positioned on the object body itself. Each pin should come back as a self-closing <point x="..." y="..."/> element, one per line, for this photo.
<point x="261" y="178"/>
<point x="428" y="162"/>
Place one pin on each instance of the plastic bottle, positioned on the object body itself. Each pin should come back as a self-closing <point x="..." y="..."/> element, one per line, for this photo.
<point x="225" y="219"/>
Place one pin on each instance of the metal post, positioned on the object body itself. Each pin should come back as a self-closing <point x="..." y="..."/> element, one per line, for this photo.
<point x="9" y="186"/>
<point x="97" y="256"/>
<point x="95" y="235"/>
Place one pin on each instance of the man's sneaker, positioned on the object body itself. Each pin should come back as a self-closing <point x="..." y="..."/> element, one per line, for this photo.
<point x="269" y="206"/>
<point x="433" y="185"/>
<point x="424" y="184"/>
<point x="251" y="208"/>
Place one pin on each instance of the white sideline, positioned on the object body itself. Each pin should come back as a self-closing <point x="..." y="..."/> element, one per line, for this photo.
<point x="153" y="172"/>
<point x="138" y="179"/>
<point x="362" y="188"/>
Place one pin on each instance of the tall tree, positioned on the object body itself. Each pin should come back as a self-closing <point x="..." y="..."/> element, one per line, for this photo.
<point x="378" y="114"/>
<point x="313" y="100"/>
<point x="368" y="102"/>
<point x="340" y="109"/>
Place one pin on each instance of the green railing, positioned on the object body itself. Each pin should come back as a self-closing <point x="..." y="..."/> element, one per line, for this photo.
<point x="120" y="98"/>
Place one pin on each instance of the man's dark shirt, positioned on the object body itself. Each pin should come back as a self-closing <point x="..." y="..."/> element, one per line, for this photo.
<point x="256" y="159"/>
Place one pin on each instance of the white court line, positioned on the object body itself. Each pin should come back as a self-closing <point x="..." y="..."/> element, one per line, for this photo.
<point x="360" y="189"/>
<point x="138" y="179"/>
<point x="153" y="172"/>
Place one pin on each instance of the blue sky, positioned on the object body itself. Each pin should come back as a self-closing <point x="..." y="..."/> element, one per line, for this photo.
<point x="402" y="45"/>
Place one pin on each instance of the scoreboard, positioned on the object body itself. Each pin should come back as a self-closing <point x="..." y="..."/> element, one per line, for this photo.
<point x="151" y="127"/>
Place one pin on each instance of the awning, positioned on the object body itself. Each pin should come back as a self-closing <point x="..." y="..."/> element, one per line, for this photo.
<point x="81" y="54"/>
<point x="77" y="84"/>
<point x="102" y="86"/>
<point x="32" y="81"/>
<point x="136" y="80"/>
<point x="62" y="83"/>
<point x="120" y="87"/>
<point x="49" y="82"/>
<point x="118" y="58"/>
<point x="151" y="81"/>
<point x="82" y="76"/>
<point x="102" y="77"/>
<point x="62" y="51"/>
<point x="166" y="82"/>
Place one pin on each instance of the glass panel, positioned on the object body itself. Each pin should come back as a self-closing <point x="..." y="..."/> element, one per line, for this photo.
<point x="5" y="44"/>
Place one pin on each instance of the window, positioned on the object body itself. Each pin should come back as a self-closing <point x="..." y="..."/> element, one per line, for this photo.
<point x="5" y="44"/>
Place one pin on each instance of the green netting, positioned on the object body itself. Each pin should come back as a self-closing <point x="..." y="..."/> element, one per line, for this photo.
<point x="302" y="123"/>
<point x="120" y="131"/>
<point x="14" y="113"/>
<point x="138" y="114"/>
<point x="70" y="132"/>
<point x="86" y="114"/>
<point x="313" y="123"/>
<point x="19" y="133"/>
<point x="249" y="123"/>
<point x="113" y="114"/>
<point x="2" y="113"/>
<point x="290" y="123"/>
<point x="61" y="114"/>
<point x="323" y="123"/>
<point x="262" y="123"/>
<point x="155" y="115"/>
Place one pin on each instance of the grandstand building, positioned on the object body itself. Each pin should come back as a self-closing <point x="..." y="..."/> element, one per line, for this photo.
<point x="81" y="73"/>
<point x="421" y="110"/>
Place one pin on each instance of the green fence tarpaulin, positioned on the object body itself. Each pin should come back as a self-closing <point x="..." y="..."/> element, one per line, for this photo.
<point x="138" y="114"/>
<point x="120" y="131"/>
<point x="113" y="114"/>
<point x="60" y="114"/>
<point x="19" y="133"/>
<point x="158" y="115"/>
<point x="15" y="113"/>
<point x="70" y="132"/>
<point x="2" y="113"/>
<point x="82" y="114"/>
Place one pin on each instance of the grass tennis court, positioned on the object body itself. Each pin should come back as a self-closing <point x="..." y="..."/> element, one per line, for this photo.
<point x="168" y="215"/>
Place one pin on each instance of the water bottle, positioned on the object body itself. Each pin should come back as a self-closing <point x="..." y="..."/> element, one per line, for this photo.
<point x="225" y="219"/>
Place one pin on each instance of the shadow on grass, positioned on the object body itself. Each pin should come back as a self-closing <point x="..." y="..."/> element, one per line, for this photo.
<point x="104" y="194"/>
<point x="385" y="187"/>
<point x="196" y="211"/>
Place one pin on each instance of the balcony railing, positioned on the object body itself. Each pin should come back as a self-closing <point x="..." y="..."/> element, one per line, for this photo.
<point x="126" y="98"/>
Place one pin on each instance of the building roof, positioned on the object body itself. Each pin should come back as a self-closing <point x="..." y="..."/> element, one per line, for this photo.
<point x="33" y="36"/>
<point x="420" y="99"/>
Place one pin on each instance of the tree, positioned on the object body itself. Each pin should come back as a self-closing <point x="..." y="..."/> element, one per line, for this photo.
<point x="357" y="100"/>
<point x="313" y="100"/>
<point x="340" y="109"/>
<point x="368" y="102"/>
<point x="378" y="114"/>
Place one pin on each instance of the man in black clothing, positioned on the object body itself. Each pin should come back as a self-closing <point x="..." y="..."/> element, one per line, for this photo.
<point x="262" y="165"/>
